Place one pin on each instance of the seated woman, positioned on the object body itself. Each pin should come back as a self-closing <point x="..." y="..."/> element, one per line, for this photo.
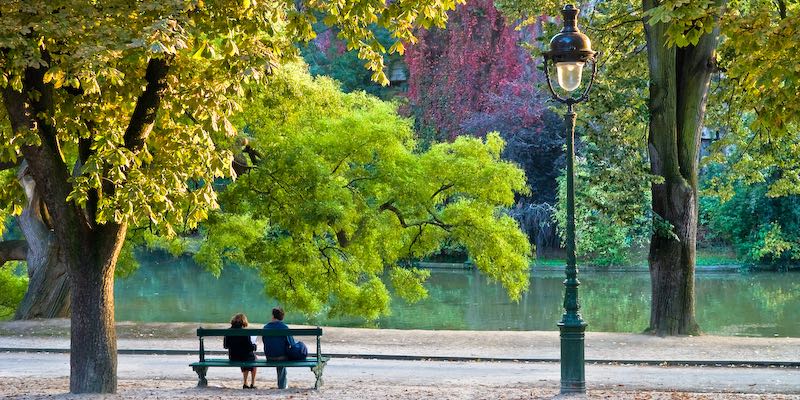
<point x="242" y="348"/>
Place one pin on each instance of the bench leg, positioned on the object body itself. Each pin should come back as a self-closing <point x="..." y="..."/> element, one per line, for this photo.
<point x="318" y="373"/>
<point x="201" y="376"/>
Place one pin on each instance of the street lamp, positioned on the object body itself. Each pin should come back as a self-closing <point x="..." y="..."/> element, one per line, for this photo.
<point x="570" y="50"/>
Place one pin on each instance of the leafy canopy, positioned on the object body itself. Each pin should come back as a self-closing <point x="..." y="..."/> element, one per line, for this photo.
<point x="337" y="196"/>
<point x="751" y="98"/>
<point x="90" y="65"/>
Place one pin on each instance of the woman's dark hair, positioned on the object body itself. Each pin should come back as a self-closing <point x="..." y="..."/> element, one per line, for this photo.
<point x="239" y="321"/>
<point x="278" y="313"/>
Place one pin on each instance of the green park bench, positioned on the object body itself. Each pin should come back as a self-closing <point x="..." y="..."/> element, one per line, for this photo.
<point x="317" y="364"/>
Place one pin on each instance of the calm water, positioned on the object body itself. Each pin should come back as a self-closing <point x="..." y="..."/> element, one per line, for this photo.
<point x="764" y="304"/>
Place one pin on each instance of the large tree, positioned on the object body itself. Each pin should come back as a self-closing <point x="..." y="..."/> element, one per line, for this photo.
<point x="338" y="196"/>
<point x="682" y="40"/>
<point x="120" y="112"/>
<point x="679" y="81"/>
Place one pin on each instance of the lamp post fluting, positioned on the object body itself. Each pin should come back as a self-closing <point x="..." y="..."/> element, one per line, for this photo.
<point x="570" y="50"/>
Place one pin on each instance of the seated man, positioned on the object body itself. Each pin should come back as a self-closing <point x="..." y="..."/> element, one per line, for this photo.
<point x="276" y="348"/>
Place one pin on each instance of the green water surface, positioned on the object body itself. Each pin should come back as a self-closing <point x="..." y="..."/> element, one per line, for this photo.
<point x="733" y="304"/>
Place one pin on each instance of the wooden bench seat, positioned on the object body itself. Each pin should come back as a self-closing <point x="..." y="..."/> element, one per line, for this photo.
<point x="316" y="364"/>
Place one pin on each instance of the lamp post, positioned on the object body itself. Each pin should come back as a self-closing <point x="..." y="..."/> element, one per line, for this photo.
<point x="570" y="50"/>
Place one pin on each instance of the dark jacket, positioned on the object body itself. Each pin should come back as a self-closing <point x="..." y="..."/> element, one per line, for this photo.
<point x="240" y="348"/>
<point x="276" y="346"/>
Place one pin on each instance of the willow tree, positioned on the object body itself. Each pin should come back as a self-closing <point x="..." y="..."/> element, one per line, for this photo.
<point x="120" y="110"/>
<point x="682" y="40"/>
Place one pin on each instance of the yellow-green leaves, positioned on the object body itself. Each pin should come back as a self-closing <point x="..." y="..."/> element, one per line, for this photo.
<point x="349" y="199"/>
<point x="687" y="20"/>
<point x="354" y="21"/>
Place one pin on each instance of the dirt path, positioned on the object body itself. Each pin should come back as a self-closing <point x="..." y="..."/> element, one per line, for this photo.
<point x="44" y="375"/>
<point x="54" y="334"/>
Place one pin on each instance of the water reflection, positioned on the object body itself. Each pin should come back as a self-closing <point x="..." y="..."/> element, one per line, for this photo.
<point x="727" y="304"/>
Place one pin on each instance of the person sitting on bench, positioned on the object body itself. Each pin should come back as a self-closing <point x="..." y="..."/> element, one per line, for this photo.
<point x="242" y="348"/>
<point x="276" y="347"/>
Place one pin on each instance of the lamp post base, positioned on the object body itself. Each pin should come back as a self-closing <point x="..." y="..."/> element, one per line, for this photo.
<point x="573" y="376"/>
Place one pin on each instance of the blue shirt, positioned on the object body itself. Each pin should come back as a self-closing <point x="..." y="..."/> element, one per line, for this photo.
<point x="276" y="346"/>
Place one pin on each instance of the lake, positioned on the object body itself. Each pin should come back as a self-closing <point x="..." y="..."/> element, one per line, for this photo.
<point x="730" y="304"/>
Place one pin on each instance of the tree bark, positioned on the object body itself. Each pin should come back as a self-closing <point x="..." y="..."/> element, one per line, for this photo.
<point x="48" y="285"/>
<point x="679" y="80"/>
<point x="93" y="338"/>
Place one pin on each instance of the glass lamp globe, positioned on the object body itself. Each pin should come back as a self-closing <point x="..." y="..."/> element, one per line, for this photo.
<point x="569" y="74"/>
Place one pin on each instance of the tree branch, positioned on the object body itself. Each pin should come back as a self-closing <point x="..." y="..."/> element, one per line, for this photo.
<point x="255" y="155"/>
<point x="434" y="220"/>
<point x="45" y="161"/>
<point x="13" y="250"/>
<point x="4" y="165"/>
<point x="781" y="8"/>
<point x="442" y="189"/>
<point x="84" y="152"/>
<point x="389" y="206"/>
<point x="148" y="103"/>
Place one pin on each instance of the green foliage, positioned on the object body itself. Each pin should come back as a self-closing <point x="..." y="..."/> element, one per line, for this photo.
<point x="687" y="20"/>
<point x="13" y="284"/>
<point x="11" y="198"/>
<point x="338" y="196"/>
<point x="762" y="229"/>
<point x="754" y="107"/>
<point x="98" y="55"/>
<point x="601" y="238"/>
<point x="751" y="104"/>
<point x="327" y="56"/>
<point x="407" y="283"/>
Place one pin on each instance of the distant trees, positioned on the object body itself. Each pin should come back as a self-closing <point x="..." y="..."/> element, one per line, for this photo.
<point x="476" y="77"/>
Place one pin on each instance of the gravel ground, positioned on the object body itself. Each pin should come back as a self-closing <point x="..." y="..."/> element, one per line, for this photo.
<point x="45" y="375"/>
<point x="16" y="388"/>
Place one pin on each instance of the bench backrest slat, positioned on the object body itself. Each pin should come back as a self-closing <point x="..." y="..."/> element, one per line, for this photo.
<point x="259" y="332"/>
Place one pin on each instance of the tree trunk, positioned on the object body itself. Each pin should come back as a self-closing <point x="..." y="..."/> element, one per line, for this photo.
<point x="48" y="283"/>
<point x="93" y="338"/>
<point x="679" y="80"/>
<point x="87" y="249"/>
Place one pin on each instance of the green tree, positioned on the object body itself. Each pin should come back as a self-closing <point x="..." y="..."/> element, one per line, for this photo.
<point x="762" y="229"/>
<point x="681" y="40"/>
<point x="337" y="195"/>
<point x="120" y="112"/>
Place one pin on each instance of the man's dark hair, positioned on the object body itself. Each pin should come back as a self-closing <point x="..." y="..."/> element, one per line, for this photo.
<point x="278" y="313"/>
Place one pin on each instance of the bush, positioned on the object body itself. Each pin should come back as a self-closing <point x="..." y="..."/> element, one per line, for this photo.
<point x="762" y="229"/>
<point x="13" y="284"/>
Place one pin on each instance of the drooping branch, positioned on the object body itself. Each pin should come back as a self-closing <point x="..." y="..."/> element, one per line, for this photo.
<point x="148" y="103"/>
<point x="13" y="250"/>
<point x="390" y="207"/>
<point x="435" y="221"/>
<point x="442" y="189"/>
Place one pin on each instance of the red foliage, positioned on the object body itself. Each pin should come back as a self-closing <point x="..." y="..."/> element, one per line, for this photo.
<point x="454" y="73"/>
<point x="323" y="40"/>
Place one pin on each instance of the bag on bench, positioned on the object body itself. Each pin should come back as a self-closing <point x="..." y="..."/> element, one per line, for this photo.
<point x="298" y="351"/>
